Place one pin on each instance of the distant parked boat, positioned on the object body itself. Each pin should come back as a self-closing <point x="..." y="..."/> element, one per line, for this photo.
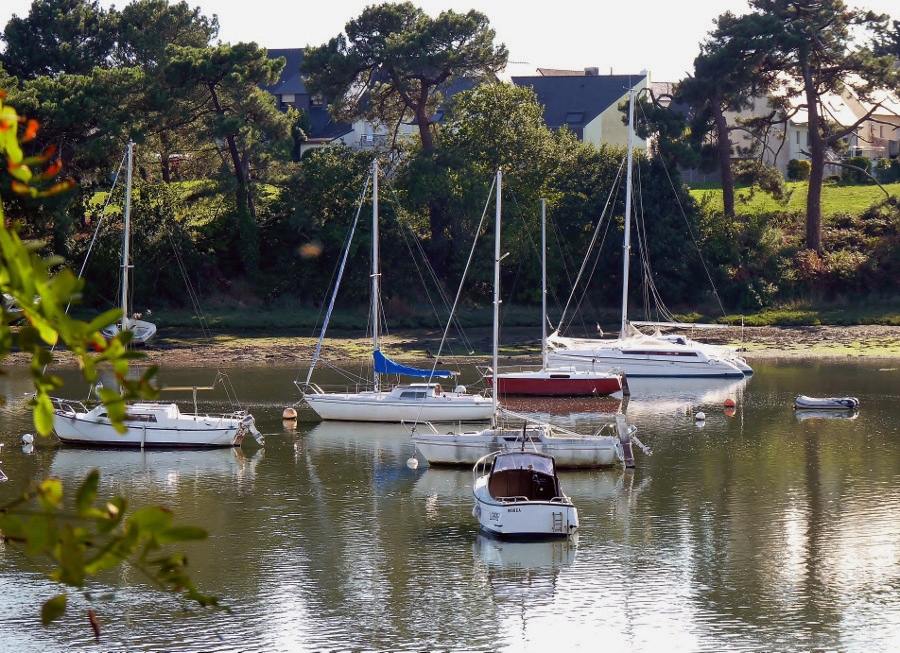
<point x="826" y="403"/>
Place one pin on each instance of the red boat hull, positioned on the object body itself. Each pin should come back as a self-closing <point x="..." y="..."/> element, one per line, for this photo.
<point x="556" y="385"/>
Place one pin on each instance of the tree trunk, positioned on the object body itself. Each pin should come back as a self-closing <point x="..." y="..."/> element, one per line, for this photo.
<point x="722" y="135"/>
<point x="817" y="166"/>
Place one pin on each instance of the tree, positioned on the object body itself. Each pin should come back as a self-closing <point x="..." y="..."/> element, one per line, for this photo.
<point x="395" y="59"/>
<point x="238" y="117"/>
<point x="818" y="52"/>
<point x="91" y="539"/>
<point x="58" y="36"/>
<point x="728" y="75"/>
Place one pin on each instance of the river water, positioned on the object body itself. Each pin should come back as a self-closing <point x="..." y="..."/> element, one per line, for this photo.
<point x="765" y="531"/>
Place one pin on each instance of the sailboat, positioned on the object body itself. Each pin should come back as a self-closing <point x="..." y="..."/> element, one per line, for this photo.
<point x="151" y="424"/>
<point x="638" y="354"/>
<point x="608" y="445"/>
<point x="148" y="424"/>
<point x="553" y="380"/>
<point x="404" y="402"/>
<point x="141" y="330"/>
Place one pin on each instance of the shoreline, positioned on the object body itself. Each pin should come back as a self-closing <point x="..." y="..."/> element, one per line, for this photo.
<point x="183" y="348"/>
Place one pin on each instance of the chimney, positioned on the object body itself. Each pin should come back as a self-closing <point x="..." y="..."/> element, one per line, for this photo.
<point x="591" y="72"/>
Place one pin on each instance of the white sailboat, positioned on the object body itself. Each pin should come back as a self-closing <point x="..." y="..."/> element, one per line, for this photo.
<point x="608" y="445"/>
<point x="141" y="330"/>
<point x="411" y="402"/>
<point x="151" y="424"/>
<point x="553" y="380"/>
<point x="638" y="354"/>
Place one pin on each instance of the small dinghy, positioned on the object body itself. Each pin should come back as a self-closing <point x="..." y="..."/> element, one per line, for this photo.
<point x="826" y="403"/>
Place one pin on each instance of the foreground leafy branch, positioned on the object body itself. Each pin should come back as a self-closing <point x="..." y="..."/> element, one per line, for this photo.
<point x="71" y="546"/>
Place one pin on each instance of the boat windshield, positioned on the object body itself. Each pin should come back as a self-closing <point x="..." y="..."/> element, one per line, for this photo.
<point x="542" y="464"/>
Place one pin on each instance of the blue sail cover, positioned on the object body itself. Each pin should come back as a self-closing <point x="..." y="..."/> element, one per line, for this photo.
<point x="384" y="365"/>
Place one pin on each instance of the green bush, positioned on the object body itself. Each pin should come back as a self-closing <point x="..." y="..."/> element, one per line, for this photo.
<point x="798" y="169"/>
<point x="849" y="175"/>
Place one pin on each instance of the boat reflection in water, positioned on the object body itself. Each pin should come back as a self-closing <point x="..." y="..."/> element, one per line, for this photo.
<point x="167" y="469"/>
<point x="680" y="395"/>
<point x="806" y="413"/>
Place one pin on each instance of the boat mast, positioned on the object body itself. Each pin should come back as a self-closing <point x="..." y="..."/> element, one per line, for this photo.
<point x="626" y="244"/>
<point x="375" y="273"/>
<point x="544" y="283"/>
<point x="496" y="356"/>
<point x="126" y="242"/>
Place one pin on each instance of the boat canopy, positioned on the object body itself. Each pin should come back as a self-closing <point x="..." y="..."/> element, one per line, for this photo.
<point x="384" y="365"/>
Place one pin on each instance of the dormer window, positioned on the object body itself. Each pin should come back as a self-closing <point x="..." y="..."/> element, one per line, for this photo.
<point x="574" y="117"/>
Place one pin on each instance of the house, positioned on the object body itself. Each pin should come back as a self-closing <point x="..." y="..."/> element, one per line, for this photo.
<point x="875" y="138"/>
<point x="584" y="101"/>
<point x="587" y="103"/>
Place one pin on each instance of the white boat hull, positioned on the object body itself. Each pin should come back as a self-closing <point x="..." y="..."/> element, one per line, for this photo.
<point x="647" y="361"/>
<point x="150" y="425"/>
<point x="400" y="405"/>
<point x="141" y="331"/>
<point x="571" y="451"/>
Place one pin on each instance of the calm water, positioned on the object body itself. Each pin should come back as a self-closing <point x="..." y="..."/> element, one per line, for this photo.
<point x="758" y="532"/>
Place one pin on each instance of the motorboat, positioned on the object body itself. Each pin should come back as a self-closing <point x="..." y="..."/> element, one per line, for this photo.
<point x="802" y="402"/>
<point x="518" y="495"/>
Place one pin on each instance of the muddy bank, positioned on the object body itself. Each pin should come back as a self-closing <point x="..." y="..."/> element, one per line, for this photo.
<point x="186" y="348"/>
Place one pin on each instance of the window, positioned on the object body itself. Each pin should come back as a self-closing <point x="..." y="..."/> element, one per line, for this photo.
<point x="574" y="117"/>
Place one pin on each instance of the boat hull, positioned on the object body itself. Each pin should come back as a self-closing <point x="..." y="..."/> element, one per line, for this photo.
<point x="556" y="384"/>
<point x="150" y="425"/>
<point x="648" y="363"/>
<point x="573" y="452"/>
<point x="531" y="519"/>
<point x="388" y="407"/>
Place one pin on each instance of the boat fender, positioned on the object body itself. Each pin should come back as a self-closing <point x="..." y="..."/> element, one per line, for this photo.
<point x="460" y="389"/>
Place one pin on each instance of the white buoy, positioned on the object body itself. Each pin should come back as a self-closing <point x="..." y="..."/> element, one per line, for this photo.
<point x="27" y="439"/>
<point x="413" y="463"/>
<point x="700" y="417"/>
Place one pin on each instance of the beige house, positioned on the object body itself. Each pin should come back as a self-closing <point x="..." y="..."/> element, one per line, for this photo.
<point x="875" y="138"/>
<point x="587" y="103"/>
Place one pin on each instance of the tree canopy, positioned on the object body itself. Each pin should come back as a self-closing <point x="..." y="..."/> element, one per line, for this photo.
<point x="394" y="59"/>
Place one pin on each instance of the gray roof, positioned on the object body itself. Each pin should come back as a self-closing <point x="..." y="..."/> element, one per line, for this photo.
<point x="575" y="100"/>
<point x="290" y="81"/>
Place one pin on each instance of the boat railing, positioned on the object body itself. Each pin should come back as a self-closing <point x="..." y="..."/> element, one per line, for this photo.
<point x="69" y="407"/>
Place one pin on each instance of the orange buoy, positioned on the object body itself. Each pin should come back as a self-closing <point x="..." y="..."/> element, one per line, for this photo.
<point x="289" y="413"/>
<point x="729" y="403"/>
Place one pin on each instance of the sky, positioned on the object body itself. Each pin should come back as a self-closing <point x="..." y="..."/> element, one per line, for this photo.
<point x="622" y="37"/>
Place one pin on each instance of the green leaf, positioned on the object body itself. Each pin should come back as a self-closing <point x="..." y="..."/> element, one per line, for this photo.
<point x="151" y="519"/>
<point x="53" y="608"/>
<point x="87" y="493"/>
<point x="40" y="535"/>
<point x="180" y="534"/>
<point x="43" y="414"/>
<point x="50" y="494"/>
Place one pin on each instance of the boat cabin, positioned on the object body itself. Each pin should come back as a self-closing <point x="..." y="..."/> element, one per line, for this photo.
<point x="522" y="476"/>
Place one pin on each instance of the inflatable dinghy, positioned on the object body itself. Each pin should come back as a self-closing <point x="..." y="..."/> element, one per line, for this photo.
<point x="826" y="403"/>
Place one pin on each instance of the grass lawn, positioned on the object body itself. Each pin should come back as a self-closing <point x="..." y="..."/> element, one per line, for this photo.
<point x="836" y="198"/>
